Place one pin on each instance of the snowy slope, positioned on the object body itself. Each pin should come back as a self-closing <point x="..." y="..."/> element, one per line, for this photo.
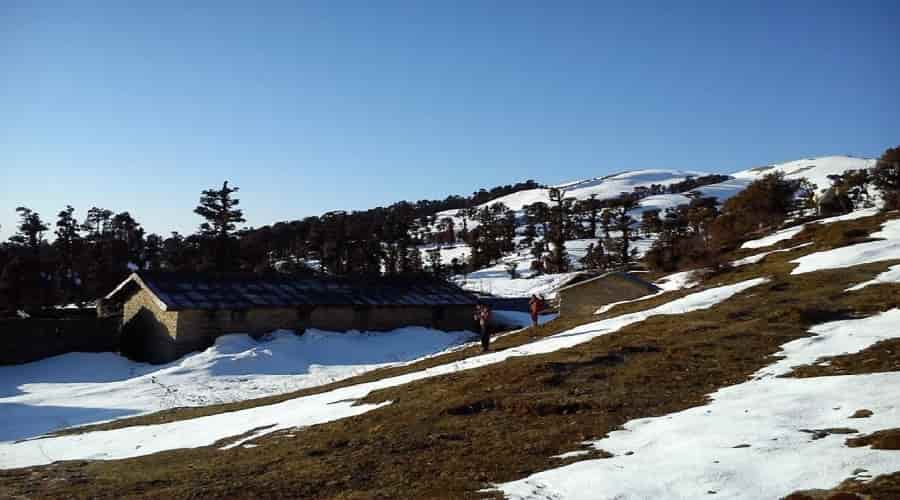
<point x="80" y="388"/>
<point x="816" y="170"/>
<point x="607" y="187"/>
<point x="751" y="441"/>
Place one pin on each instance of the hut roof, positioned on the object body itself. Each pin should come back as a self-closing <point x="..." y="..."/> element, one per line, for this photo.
<point x="178" y="291"/>
<point x="614" y="275"/>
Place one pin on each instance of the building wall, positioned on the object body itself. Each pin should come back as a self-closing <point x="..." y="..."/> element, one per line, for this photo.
<point x="449" y="318"/>
<point x="169" y="335"/>
<point x="148" y="332"/>
<point x="142" y="299"/>
<point x="27" y="340"/>
<point x="587" y="297"/>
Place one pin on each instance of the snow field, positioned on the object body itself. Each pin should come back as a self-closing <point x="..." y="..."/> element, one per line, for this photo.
<point x="80" y="388"/>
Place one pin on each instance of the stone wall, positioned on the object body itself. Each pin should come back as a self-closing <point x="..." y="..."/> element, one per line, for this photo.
<point x="588" y="296"/>
<point x="27" y="340"/>
<point x="148" y="332"/>
<point x="160" y="336"/>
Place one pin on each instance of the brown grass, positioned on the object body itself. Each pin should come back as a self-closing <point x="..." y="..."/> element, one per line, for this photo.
<point x="451" y="436"/>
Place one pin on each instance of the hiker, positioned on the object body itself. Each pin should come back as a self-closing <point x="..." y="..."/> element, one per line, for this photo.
<point x="482" y="315"/>
<point x="535" y="306"/>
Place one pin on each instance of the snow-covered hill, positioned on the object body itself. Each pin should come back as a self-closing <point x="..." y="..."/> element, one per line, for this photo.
<point x="602" y="188"/>
<point x="494" y="280"/>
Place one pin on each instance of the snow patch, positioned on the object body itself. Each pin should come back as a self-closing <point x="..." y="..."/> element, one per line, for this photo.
<point x="892" y="275"/>
<point x="752" y="440"/>
<point x="784" y="234"/>
<point x="887" y="248"/>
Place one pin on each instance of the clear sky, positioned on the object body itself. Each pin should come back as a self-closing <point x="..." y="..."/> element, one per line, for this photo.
<point x="315" y="106"/>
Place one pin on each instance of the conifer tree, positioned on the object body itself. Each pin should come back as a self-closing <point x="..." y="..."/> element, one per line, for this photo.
<point x="558" y="257"/>
<point x="31" y="229"/>
<point x="886" y="177"/>
<point x="217" y="206"/>
<point x="67" y="243"/>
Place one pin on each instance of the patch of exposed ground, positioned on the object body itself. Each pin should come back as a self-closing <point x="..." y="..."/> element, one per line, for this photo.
<point x="860" y="487"/>
<point x="453" y="435"/>
<point x="881" y="357"/>
<point x="888" y="439"/>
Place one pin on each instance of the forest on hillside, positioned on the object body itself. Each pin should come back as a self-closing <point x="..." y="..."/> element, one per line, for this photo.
<point x="68" y="260"/>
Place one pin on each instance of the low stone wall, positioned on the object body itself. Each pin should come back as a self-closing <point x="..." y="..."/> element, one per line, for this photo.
<point x="27" y="340"/>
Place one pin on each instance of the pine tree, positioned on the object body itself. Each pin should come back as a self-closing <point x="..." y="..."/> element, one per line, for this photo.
<point x="217" y="206"/>
<point x="67" y="243"/>
<point x="97" y="222"/>
<point x="886" y="177"/>
<point x="623" y="222"/>
<point x="558" y="257"/>
<point x="31" y="229"/>
<point x="434" y="262"/>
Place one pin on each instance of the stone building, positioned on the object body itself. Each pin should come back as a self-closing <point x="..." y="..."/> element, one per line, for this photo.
<point x="166" y="315"/>
<point x="585" y="297"/>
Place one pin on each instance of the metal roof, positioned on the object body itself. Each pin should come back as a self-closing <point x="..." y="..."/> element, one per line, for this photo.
<point x="177" y="291"/>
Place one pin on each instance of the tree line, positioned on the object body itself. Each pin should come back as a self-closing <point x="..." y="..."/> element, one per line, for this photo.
<point x="70" y="260"/>
<point x="87" y="258"/>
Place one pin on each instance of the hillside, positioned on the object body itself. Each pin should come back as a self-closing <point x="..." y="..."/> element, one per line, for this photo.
<point x="774" y="375"/>
<point x="494" y="279"/>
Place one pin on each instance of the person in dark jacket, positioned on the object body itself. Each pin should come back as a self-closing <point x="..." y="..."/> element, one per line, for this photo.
<point x="535" y="306"/>
<point x="482" y="316"/>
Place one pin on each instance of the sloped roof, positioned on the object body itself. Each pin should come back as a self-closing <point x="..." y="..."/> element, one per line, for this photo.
<point x="614" y="275"/>
<point x="178" y="291"/>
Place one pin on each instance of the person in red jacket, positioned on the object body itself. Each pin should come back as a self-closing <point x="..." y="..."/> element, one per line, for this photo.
<point x="482" y="316"/>
<point x="535" y="306"/>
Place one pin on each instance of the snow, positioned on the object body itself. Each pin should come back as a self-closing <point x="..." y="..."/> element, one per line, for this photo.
<point x="313" y="409"/>
<point x="459" y="251"/>
<point x="856" y="214"/>
<point x="816" y="170"/>
<point x="887" y="248"/>
<point x="610" y="186"/>
<point x="892" y="275"/>
<point x="753" y="259"/>
<point x="692" y="453"/>
<point x="678" y="281"/>
<point x="80" y="388"/>
<point x="784" y="234"/>
<point x="494" y="280"/>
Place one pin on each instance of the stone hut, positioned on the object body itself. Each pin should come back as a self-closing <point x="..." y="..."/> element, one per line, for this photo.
<point x="586" y="296"/>
<point x="166" y="315"/>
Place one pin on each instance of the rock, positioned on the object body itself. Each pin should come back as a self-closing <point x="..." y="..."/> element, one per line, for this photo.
<point x="864" y="413"/>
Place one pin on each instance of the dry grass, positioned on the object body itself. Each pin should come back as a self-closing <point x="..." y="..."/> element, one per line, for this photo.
<point x="451" y="436"/>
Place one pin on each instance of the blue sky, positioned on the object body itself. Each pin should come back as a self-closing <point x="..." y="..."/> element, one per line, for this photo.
<point x="315" y="106"/>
